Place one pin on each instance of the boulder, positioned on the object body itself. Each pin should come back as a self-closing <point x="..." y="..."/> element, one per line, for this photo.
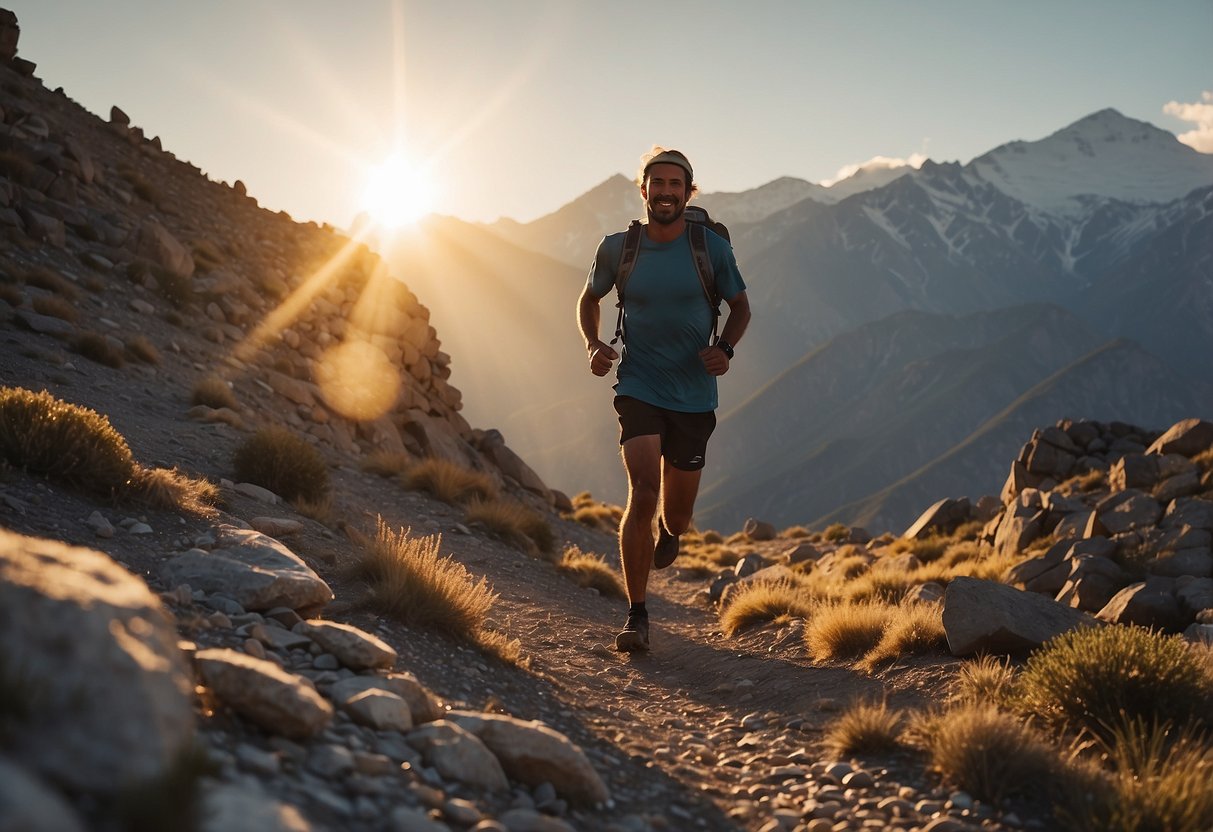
<point x="1074" y="525"/>
<point x="493" y="446"/>
<point x="1194" y="595"/>
<point x="257" y="571"/>
<point x="1195" y="562"/>
<point x="532" y="753"/>
<point x="928" y="593"/>
<point x="92" y="656"/>
<point x="245" y="806"/>
<point x="354" y="648"/>
<point x="1048" y="460"/>
<point x="1184" y="484"/>
<point x="1092" y="582"/>
<point x="749" y="565"/>
<point x="278" y="701"/>
<point x="1189" y="437"/>
<point x="801" y="552"/>
<point x="1134" y="471"/>
<point x="991" y="617"/>
<point x="29" y="805"/>
<point x="154" y="242"/>
<point x="941" y="518"/>
<point x="437" y="438"/>
<point x="1149" y="603"/>
<point x="379" y="709"/>
<point x="759" y="530"/>
<point x="1189" y="511"/>
<point x="1017" y="531"/>
<point x="422" y="705"/>
<point x="1128" y="510"/>
<point x="458" y="754"/>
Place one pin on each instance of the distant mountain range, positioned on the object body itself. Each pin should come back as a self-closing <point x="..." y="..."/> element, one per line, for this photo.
<point x="909" y="325"/>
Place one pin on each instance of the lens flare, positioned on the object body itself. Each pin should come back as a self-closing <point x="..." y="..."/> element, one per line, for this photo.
<point x="357" y="380"/>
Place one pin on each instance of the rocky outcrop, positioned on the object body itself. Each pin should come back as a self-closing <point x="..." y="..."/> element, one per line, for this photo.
<point x="90" y="658"/>
<point x="986" y="616"/>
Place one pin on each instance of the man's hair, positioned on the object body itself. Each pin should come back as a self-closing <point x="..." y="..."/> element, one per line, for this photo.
<point x="647" y="159"/>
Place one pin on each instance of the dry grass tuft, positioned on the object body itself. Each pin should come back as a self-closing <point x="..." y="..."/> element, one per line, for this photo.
<point x="11" y="295"/>
<point x="174" y="489"/>
<point x="987" y="679"/>
<point x="412" y="583"/>
<point x="845" y="631"/>
<point x="387" y="463"/>
<point x="52" y="282"/>
<point x="865" y="728"/>
<point x="449" y="482"/>
<point x="910" y="629"/>
<point x="141" y="349"/>
<point x="762" y="601"/>
<point x="213" y="391"/>
<point x="66" y="442"/>
<point x="592" y="571"/>
<point x="514" y="523"/>
<point x="55" y="307"/>
<point x="989" y="753"/>
<point x="282" y="461"/>
<point x="96" y="347"/>
<point x="319" y="509"/>
<point x="504" y="649"/>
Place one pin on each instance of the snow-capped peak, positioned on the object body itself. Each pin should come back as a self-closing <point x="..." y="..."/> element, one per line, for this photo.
<point x="1104" y="154"/>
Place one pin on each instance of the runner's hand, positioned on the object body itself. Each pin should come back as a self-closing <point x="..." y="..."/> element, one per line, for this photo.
<point x="601" y="358"/>
<point x="714" y="361"/>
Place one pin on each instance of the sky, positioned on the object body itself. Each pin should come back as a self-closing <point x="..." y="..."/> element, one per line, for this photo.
<point x="515" y="108"/>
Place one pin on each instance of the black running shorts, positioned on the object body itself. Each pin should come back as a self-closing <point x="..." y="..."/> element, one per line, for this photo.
<point x="684" y="436"/>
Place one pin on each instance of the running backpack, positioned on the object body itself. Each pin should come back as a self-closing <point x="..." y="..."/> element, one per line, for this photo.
<point x="697" y="223"/>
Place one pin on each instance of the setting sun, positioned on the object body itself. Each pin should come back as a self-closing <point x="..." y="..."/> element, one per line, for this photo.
<point x="398" y="192"/>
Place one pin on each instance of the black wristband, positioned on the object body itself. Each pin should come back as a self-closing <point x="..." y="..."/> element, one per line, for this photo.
<point x="725" y="347"/>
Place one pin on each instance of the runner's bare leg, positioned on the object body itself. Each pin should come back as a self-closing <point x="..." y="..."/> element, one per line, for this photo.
<point x="642" y="462"/>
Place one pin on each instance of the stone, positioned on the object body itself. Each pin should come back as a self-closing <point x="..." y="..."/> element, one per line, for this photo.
<point x="257" y="571"/>
<point x="29" y="805"/>
<point x="493" y="446"/>
<point x="533" y="753"/>
<point x="1074" y="525"/>
<point x="1189" y="437"/>
<point x="1197" y="562"/>
<point x="44" y="324"/>
<point x="1200" y="634"/>
<point x="1017" y="531"/>
<point x="354" y="648"/>
<point x="258" y="493"/>
<point x="992" y="617"/>
<point x="435" y="437"/>
<point x="154" y="242"/>
<point x="1048" y="460"/>
<point x="109" y="694"/>
<point x="800" y="553"/>
<point x="413" y="819"/>
<point x="1128" y="510"/>
<point x="278" y="701"/>
<point x="1134" y="471"/>
<point x="1194" y="595"/>
<point x="928" y="593"/>
<point x="1184" y="484"/>
<point x="276" y="526"/>
<point x="1148" y="603"/>
<point x="421" y="702"/>
<point x="941" y="518"/>
<point x="457" y="754"/>
<point x="100" y="525"/>
<point x="1189" y="511"/>
<point x="1092" y="582"/>
<point x="1032" y="573"/>
<point x="748" y="565"/>
<point x="379" y="709"/>
<point x="530" y="820"/>
<point x="759" y="530"/>
<point x="226" y="807"/>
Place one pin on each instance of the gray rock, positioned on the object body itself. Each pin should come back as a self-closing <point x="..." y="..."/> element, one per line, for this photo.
<point x="1189" y="511"/>
<point x="257" y="571"/>
<point x="1184" y="484"/>
<point x="801" y="552"/>
<point x="928" y="593"/>
<point x="1092" y="582"/>
<point x="154" y="242"/>
<point x="942" y="517"/>
<point x="457" y="754"/>
<point x="1148" y="603"/>
<point x="1134" y="471"/>
<point x="1194" y="595"/>
<point x="759" y="530"/>
<point x="748" y="565"/>
<point x="530" y="820"/>
<point x="379" y="709"/>
<point x="992" y="617"/>
<point x="1195" y="562"/>
<point x="354" y="648"/>
<point x="1128" y="510"/>
<point x="29" y="805"/>
<point x="1189" y="437"/>
<point x="412" y="819"/>
<point x="231" y="807"/>
<point x="279" y="702"/>
<point x="421" y="702"/>
<point x="95" y="660"/>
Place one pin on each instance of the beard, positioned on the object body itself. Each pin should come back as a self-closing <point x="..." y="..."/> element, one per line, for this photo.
<point x="665" y="214"/>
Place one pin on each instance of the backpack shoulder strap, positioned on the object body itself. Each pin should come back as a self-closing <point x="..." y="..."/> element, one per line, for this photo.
<point x="627" y="262"/>
<point x="703" y="266"/>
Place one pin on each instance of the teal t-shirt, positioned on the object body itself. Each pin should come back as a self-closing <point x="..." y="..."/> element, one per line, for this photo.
<point x="667" y="319"/>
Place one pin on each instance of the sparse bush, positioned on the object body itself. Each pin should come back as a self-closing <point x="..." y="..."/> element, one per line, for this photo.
<point x="886" y="585"/>
<point x="591" y="571"/>
<point x="987" y="679"/>
<point x="990" y="754"/>
<point x="761" y="601"/>
<point x="96" y="347"/>
<point x="213" y="391"/>
<point x="52" y="282"/>
<point x="845" y="630"/>
<point x="412" y="583"/>
<point x="837" y="533"/>
<point x="513" y="522"/>
<point x="795" y="533"/>
<point x="711" y="536"/>
<point x="319" y="509"/>
<point x="387" y="463"/>
<point x="911" y="629"/>
<point x="65" y="442"/>
<point x="142" y="349"/>
<point x="449" y="482"/>
<point x="280" y="460"/>
<point x="55" y="307"/>
<point x="864" y="728"/>
<point x="165" y="488"/>
<point x="1095" y="678"/>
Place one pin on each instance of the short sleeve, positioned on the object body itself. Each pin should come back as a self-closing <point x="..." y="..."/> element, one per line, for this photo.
<point x="724" y="265"/>
<point x="605" y="266"/>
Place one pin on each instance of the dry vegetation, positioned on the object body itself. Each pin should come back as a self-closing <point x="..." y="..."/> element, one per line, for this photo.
<point x="514" y="523"/>
<point x="285" y="463"/>
<point x="213" y="391"/>
<point x="592" y="572"/>
<point x="449" y="482"/>
<point x="865" y="728"/>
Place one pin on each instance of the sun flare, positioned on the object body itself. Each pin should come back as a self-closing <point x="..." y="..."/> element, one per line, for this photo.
<point x="398" y="192"/>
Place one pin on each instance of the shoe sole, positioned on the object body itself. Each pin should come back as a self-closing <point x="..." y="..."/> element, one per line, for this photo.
<point x="630" y="642"/>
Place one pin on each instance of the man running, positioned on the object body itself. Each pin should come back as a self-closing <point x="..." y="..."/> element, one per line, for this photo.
<point x="666" y="389"/>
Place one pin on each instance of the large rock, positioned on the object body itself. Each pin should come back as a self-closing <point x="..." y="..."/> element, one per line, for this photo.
<point x="1189" y="511"/>
<point x="258" y="571"/>
<point x="158" y="245"/>
<point x="93" y="655"/>
<point x="995" y="618"/>
<point x="29" y="805"/>
<point x="532" y="753"/>
<point x="422" y="705"/>
<point x="278" y="701"/>
<point x="1149" y="603"/>
<point x="231" y="807"/>
<point x="1092" y="582"/>
<point x="1189" y="437"/>
<point x="354" y="648"/>
<point x="1128" y="510"/>
<point x="493" y="446"/>
<point x="942" y="517"/>
<point x="437" y="438"/>
<point x="1134" y="471"/>
<point x="458" y="754"/>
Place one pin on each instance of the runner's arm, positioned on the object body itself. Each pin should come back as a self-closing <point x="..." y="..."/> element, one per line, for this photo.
<point x="588" y="319"/>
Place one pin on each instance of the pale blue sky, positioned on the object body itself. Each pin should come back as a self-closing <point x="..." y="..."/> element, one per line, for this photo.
<point x="523" y="105"/>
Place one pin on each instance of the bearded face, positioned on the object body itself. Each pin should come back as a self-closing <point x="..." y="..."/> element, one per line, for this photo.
<point x="665" y="193"/>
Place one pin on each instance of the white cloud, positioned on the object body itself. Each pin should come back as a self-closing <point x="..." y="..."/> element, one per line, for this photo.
<point x="915" y="161"/>
<point x="1199" y="113"/>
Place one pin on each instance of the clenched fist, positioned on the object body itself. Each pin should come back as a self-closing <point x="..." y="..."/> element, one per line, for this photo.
<point x="601" y="357"/>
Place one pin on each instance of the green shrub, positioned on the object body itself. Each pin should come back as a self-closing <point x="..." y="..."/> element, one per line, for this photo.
<point x="987" y="679"/>
<point x="989" y="753"/>
<point x="66" y="442"/>
<point x="1096" y="678"/>
<point x="280" y="460"/>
